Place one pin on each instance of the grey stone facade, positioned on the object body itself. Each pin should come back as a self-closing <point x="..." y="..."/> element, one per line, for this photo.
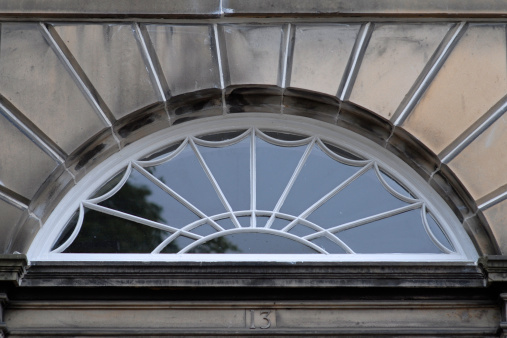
<point x="79" y="82"/>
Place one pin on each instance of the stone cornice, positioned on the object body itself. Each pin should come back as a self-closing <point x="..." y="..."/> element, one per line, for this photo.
<point x="164" y="9"/>
<point x="496" y="268"/>
<point x="12" y="268"/>
<point x="154" y="274"/>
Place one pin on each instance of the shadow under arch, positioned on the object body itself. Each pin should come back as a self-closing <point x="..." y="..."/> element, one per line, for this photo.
<point x="267" y="100"/>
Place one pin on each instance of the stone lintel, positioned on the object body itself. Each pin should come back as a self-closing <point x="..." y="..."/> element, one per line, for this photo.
<point x="468" y="318"/>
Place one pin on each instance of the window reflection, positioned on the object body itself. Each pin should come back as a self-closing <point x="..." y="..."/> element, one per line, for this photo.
<point x="253" y="193"/>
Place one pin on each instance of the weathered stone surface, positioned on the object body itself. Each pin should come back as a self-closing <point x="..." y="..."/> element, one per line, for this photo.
<point x="12" y="268"/>
<point x="19" y="156"/>
<point x="481" y="165"/>
<point x="336" y="318"/>
<point x="309" y="70"/>
<point x="473" y="78"/>
<point x="34" y="80"/>
<point x="395" y="56"/>
<point x="10" y="216"/>
<point x="258" y="274"/>
<point x="111" y="59"/>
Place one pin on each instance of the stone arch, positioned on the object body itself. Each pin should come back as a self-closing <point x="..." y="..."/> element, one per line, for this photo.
<point x="116" y="125"/>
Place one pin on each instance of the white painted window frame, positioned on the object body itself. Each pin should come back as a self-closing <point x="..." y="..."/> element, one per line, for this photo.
<point x="40" y="250"/>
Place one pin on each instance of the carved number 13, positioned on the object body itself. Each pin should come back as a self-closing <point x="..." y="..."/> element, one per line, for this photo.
<point x="264" y="317"/>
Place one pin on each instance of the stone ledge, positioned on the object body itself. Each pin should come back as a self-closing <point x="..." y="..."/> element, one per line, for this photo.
<point x="261" y="275"/>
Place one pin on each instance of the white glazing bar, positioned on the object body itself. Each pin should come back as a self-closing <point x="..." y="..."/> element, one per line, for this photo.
<point x="253" y="180"/>
<point x="74" y="233"/>
<point x="309" y="224"/>
<point x="391" y="190"/>
<point x="430" y="233"/>
<point x="326" y="197"/>
<point x="176" y="196"/>
<point x="115" y="189"/>
<point x="137" y="219"/>
<point x="339" y="158"/>
<point x="165" y="158"/>
<point x="149" y="59"/>
<point x="455" y="33"/>
<point x="214" y="183"/>
<point x="293" y="178"/>
<point x="284" y="143"/>
<point x="223" y="143"/>
<point x="370" y="219"/>
<point x="338" y="241"/>
<point x="258" y="230"/>
<point x="333" y="238"/>
<point x="165" y="243"/>
<point x="52" y="150"/>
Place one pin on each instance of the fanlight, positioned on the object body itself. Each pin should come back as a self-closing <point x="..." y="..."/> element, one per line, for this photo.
<point x="254" y="192"/>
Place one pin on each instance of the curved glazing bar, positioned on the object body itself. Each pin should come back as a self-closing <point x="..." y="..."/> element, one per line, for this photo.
<point x="254" y="191"/>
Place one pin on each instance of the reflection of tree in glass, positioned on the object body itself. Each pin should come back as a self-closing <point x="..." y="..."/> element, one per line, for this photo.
<point x="216" y="245"/>
<point x="103" y="233"/>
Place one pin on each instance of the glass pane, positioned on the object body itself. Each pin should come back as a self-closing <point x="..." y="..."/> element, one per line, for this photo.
<point x="275" y="166"/>
<point x="141" y="197"/>
<point x="364" y="197"/>
<point x="261" y="221"/>
<point x="284" y="136"/>
<point x="67" y="231"/>
<point x="185" y="175"/>
<point x="177" y="244"/>
<point x="101" y="233"/>
<point x="343" y="153"/>
<point x="301" y="230"/>
<point x="319" y="175"/>
<point x="245" y="221"/>
<point x="253" y="243"/>
<point x="221" y="136"/>
<point x="403" y="233"/>
<point x="218" y="245"/>
<point x="204" y="230"/>
<point x="113" y="182"/>
<point x="231" y="168"/>
<point x="226" y="223"/>
<point x="279" y="223"/>
<point x="437" y="232"/>
<point x="396" y="186"/>
<point x="162" y="153"/>
<point x="328" y="245"/>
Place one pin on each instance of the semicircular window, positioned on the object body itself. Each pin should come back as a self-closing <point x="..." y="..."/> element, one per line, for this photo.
<point x="254" y="192"/>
